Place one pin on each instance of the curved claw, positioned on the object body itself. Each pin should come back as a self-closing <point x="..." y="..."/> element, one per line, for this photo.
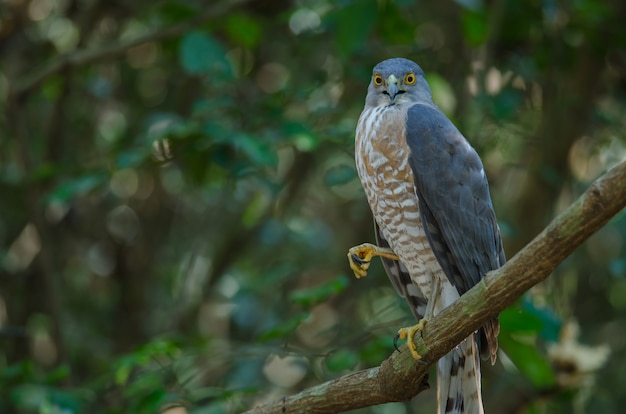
<point x="356" y="259"/>
<point x="409" y="333"/>
<point x="396" y="338"/>
<point x="360" y="257"/>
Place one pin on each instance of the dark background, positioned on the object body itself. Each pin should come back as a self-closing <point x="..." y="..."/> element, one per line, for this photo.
<point x="178" y="193"/>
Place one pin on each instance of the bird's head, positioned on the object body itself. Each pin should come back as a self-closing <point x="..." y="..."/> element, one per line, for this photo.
<point x="396" y="81"/>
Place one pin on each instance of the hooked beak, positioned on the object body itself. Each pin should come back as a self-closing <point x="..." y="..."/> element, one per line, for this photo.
<point x="392" y="90"/>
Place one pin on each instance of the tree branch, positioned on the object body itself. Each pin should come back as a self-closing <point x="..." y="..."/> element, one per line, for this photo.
<point x="400" y="377"/>
<point x="88" y="56"/>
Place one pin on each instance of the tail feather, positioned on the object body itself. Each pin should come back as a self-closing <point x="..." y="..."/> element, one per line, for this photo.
<point x="458" y="380"/>
<point x="488" y="340"/>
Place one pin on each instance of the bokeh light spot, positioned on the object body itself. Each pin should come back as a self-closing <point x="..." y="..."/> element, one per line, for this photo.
<point x="272" y="77"/>
<point x="124" y="183"/>
<point x="123" y="224"/>
<point x="39" y="10"/>
<point x="303" y="20"/>
<point x="101" y="258"/>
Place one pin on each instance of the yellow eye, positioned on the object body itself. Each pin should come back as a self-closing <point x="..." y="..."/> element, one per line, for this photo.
<point x="378" y="80"/>
<point x="409" y="79"/>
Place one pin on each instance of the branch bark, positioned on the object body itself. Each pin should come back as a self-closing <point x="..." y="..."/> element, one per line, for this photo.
<point x="399" y="377"/>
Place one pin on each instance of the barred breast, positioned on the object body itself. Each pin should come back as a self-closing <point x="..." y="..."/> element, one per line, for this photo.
<point x="382" y="160"/>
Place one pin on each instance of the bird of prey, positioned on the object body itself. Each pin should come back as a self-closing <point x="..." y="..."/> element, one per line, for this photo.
<point x="434" y="222"/>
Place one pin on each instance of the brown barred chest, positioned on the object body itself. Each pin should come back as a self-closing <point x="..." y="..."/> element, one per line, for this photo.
<point x="382" y="159"/>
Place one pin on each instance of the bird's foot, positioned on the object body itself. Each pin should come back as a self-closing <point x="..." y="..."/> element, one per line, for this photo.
<point x="409" y="333"/>
<point x="361" y="256"/>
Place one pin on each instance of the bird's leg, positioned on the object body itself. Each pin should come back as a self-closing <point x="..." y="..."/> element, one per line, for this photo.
<point x="361" y="256"/>
<point x="409" y="332"/>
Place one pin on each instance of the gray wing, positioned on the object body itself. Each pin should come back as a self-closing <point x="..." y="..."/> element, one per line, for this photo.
<point x="401" y="280"/>
<point x="454" y="200"/>
<point x="455" y="206"/>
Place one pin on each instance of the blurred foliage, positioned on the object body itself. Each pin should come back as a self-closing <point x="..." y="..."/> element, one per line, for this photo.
<point x="178" y="195"/>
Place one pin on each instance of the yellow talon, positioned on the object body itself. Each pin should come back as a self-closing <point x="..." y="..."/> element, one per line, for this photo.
<point x="409" y="333"/>
<point x="361" y="256"/>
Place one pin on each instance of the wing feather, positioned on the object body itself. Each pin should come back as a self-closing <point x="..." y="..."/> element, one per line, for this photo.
<point x="454" y="198"/>
<point x="455" y="205"/>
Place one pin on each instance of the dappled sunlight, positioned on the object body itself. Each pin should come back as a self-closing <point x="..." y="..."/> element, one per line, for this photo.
<point x="584" y="164"/>
<point x="123" y="224"/>
<point x="40" y="9"/>
<point x="23" y="249"/>
<point x="285" y="371"/>
<point x="112" y="125"/>
<point x="124" y="183"/>
<point x="100" y="258"/>
<point x="303" y="20"/>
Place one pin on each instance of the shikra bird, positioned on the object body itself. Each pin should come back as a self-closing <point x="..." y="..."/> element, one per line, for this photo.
<point x="435" y="225"/>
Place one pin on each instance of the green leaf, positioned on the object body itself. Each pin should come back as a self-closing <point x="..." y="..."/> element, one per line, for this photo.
<point x="528" y="360"/>
<point x="200" y="54"/>
<point x="256" y="210"/>
<point x="341" y="360"/>
<point x="243" y="30"/>
<point x="506" y="104"/>
<point x="52" y="87"/>
<point x="66" y="401"/>
<point x="550" y="321"/>
<point x="515" y="319"/>
<point x="376" y="350"/>
<point x="68" y="189"/>
<point x="58" y="374"/>
<point x="18" y="372"/>
<point x="305" y="142"/>
<point x="29" y="396"/>
<point x="442" y="92"/>
<point x="285" y="328"/>
<point x="301" y="136"/>
<point x="143" y="384"/>
<point x="353" y="25"/>
<point x="151" y="398"/>
<point x="475" y="27"/>
<point x="311" y="296"/>
<point x="122" y="373"/>
<point x="131" y="158"/>
<point x="206" y="393"/>
<point x="340" y="174"/>
<point x="142" y="357"/>
<point x="256" y="150"/>
<point x="45" y="171"/>
<point x="176" y="11"/>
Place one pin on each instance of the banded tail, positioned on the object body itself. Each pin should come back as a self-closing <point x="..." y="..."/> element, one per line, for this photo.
<point x="458" y="380"/>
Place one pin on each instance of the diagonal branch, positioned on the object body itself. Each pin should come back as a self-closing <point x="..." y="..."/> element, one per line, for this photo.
<point x="399" y="377"/>
<point x="88" y="56"/>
